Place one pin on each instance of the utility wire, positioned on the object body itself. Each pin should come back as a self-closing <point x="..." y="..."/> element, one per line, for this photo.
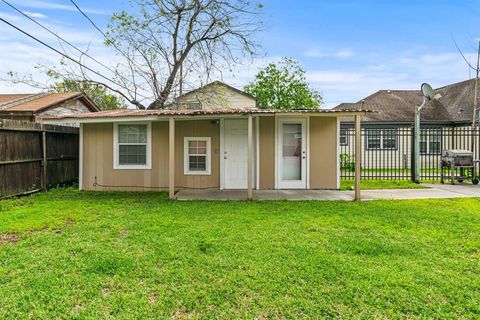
<point x="60" y="53"/>
<point x="67" y="42"/>
<point x="104" y="34"/>
<point x="56" y="35"/>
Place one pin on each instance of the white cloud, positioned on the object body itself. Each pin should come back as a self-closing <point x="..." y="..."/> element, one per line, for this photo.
<point x="35" y="14"/>
<point x="317" y="53"/>
<point x="39" y="4"/>
<point x="440" y="58"/>
<point x="344" y="53"/>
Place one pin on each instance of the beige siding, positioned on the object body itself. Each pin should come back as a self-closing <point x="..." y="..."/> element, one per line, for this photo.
<point x="98" y="161"/>
<point x="217" y="97"/>
<point x="267" y="152"/>
<point x="323" y="153"/>
<point x="98" y="158"/>
<point x="199" y="128"/>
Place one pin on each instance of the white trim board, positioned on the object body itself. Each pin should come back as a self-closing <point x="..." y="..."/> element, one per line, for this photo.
<point x="222" y="153"/>
<point x="80" y="159"/>
<point x="307" y="146"/>
<point x="257" y="148"/>
<point x="337" y="146"/>
<point x="305" y="152"/>
<point x="208" y="156"/>
<point x="148" y="165"/>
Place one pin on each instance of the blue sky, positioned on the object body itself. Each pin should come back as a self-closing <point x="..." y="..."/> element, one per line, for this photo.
<point x="349" y="48"/>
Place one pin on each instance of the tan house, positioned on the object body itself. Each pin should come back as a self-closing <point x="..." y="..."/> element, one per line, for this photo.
<point x="215" y="95"/>
<point x="33" y="107"/>
<point x="229" y="148"/>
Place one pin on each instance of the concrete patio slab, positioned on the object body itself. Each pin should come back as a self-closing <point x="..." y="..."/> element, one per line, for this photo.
<point x="433" y="191"/>
<point x="467" y="189"/>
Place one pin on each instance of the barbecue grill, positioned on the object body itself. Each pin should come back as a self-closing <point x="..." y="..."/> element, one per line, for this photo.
<point x="458" y="165"/>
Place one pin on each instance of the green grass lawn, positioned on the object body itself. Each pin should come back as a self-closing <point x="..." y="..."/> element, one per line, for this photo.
<point x="68" y="254"/>
<point x="380" y="184"/>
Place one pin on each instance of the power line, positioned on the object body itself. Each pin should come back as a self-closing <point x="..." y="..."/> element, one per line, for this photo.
<point x="103" y="34"/>
<point x="63" y="54"/>
<point x="67" y="42"/>
<point x="56" y="35"/>
<point x="88" y="18"/>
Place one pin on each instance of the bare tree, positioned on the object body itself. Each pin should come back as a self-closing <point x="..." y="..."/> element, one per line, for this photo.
<point x="159" y="39"/>
<point x="475" y="120"/>
<point x="164" y="36"/>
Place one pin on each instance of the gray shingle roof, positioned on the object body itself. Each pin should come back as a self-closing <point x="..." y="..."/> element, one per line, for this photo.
<point x="456" y="104"/>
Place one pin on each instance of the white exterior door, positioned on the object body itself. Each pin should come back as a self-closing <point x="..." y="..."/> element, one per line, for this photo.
<point x="291" y="153"/>
<point x="235" y="154"/>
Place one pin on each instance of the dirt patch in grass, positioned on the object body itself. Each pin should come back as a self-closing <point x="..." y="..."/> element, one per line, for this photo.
<point x="9" y="238"/>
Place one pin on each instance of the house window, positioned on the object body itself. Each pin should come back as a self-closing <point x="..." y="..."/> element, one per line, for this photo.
<point x="194" y="106"/>
<point x="431" y="141"/>
<point x="132" y="146"/>
<point x="382" y="139"/>
<point x="343" y="137"/>
<point x="197" y="156"/>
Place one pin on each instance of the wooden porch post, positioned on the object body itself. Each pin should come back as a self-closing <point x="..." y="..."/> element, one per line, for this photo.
<point x="250" y="158"/>
<point x="171" y="158"/>
<point x="358" y="156"/>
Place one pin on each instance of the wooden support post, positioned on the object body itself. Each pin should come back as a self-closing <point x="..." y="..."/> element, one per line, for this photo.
<point x="44" y="161"/>
<point x="171" y="158"/>
<point x="250" y="158"/>
<point x="358" y="156"/>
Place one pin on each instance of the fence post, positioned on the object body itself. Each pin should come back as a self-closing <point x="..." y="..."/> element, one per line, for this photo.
<point x="412" y="154"/>
<point x="44" y="162"/>
<point x="453" y="138"/>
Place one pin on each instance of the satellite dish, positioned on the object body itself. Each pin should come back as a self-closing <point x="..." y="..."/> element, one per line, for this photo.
<point x="427" y="91"/>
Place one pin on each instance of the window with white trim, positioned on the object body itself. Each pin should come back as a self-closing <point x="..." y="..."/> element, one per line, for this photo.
<point x="197" y="155"/>
<point x="344" y="137"/>
<point x="382" y="139"/>
<point x="194" y="106"/>
<point x="132" y="149"/>
<point x="431" y="141"/>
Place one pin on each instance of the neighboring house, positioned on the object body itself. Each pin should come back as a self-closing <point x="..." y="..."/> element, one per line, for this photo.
<point x="215" y="95"/>
<point x="218" y="148"/>
<point x="32" y="107"/>
<point x="387" y="141"/>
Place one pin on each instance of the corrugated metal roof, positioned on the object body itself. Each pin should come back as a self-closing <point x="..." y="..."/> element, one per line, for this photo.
<point x="171" y="112"/>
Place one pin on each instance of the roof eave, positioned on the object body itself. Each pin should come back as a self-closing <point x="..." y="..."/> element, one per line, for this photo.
<point x="130" y="118"/>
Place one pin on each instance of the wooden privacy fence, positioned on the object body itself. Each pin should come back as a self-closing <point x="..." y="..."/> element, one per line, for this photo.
<point x="34" y="157"/>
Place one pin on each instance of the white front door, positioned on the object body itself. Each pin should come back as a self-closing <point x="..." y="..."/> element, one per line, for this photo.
<point x="291" y="153"/>
<point x="235" y="154"/>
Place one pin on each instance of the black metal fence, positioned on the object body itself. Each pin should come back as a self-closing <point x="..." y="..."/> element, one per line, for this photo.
<point x="388" y="152"/>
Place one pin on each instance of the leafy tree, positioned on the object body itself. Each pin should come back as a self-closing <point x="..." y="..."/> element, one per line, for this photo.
<point x="99" y="94"/>
<point x="283" y="85"/>
<point x="62" y="82"/>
